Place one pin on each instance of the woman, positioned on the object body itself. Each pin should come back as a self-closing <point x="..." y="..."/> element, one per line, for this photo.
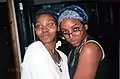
<point x="42" y="60"/>
<point x="86" y="54"/>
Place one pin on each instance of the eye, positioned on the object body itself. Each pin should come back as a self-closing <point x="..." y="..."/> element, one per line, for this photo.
<point x="65" y="32"/>
<point x="76" y="29"/>
<point x="37" y="26"/>
<point x="51" y="24"/>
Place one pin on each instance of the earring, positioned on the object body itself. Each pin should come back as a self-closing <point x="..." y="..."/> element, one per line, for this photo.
<point x="86" y="26"/>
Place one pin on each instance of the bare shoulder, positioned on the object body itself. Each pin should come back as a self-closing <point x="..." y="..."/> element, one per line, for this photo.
<point x="92" y="50"/>
<point x="91" y="47"/>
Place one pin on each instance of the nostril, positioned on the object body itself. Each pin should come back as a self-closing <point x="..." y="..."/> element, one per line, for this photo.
<point x="44" y="29"/>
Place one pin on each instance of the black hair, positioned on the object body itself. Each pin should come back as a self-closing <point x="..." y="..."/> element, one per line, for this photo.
<point x="49" y="11"/>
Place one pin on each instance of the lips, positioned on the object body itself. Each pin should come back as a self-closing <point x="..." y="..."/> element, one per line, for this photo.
<point x="74" y="42"/>
<point x="45" y="36"/>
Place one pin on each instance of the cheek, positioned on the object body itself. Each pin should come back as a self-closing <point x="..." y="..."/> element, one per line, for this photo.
<point x="53" y="31"/>
<point x="50" y="32"/>
<point x="80" y="38"/>
<point x="38" y="33"/>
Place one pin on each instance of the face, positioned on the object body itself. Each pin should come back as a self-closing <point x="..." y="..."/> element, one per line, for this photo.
<point x="74" y="31"/>
<point x="46" y="28"/>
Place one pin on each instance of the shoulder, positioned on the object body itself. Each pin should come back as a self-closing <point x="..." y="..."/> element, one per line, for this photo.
<point x="93" y="47"/>
<point x="35" y="47"/>
<point x="34" y="51"/>
<point x="35" y="44"/>
<point x="91" y="50"/>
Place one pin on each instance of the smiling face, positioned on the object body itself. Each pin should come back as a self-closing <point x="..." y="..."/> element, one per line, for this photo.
<point x="74" y="31"/>
<point x="46" y="28"/>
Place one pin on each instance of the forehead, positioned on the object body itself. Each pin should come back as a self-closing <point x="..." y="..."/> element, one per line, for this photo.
<point x="43" y="17"/>
<point x="67" y="23"/>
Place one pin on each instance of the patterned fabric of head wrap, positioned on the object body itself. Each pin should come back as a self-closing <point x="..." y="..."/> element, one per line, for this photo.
<point x="73" y="12"/>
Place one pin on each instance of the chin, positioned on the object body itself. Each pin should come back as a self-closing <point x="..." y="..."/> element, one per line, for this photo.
<point x="75" y="45"/>
<point x="46" y="41"/>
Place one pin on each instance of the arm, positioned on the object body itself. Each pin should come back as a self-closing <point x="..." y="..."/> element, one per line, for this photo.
<point x="88" y="61"/>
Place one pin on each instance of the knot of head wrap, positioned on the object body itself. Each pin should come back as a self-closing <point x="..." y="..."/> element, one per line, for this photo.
<point x="73" y="12"/>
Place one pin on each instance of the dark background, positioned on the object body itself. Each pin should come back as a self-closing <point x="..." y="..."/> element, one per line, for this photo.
<point x="6" y="52"/>
<point x="104" y="24"/>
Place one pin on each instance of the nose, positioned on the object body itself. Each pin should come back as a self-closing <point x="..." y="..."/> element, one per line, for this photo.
<point x="70" y="35"/>
<point x="44" y="29"/>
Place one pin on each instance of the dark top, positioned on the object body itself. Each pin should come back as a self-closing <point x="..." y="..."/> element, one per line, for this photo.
<point x="74" y="56"/>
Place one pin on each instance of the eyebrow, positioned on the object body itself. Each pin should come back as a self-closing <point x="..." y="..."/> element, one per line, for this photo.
<point x="51" y="20"/>
<point x="73" y="25"/>
<point x="48" y="21"/>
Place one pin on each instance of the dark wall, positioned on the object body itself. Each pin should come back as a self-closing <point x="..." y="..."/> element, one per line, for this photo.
<point x="6" y="53"/>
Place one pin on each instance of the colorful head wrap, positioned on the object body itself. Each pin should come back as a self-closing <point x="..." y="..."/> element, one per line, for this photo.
<point x="73" y="12"/>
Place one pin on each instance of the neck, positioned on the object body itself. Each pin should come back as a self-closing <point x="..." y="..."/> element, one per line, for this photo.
<point x="50" y="47"/>
<point x="84" y="40"/>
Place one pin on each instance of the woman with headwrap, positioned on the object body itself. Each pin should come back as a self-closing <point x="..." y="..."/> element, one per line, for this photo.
<point x="42" y="60"/>
<point x="84" y="58"/>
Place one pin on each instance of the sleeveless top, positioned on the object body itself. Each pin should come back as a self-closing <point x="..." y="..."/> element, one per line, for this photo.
<point x="75" y="53"/>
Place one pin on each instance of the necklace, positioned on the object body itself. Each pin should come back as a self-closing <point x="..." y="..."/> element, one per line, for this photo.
<point x="75" y="52"/>
<point x="57" y="59"/>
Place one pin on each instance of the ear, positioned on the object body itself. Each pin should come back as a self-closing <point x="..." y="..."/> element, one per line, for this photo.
<point x="86" y="26"/>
